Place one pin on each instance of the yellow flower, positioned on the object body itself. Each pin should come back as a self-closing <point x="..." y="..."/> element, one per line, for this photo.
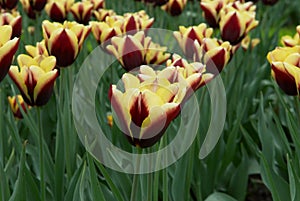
<point x="14" y="106"/>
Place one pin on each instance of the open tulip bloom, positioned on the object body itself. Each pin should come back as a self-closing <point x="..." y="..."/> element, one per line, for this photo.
<point x="35" y="78"/>
<point x="8" y="48"/>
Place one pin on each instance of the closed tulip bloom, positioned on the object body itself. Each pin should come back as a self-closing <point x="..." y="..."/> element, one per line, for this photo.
<point x="64" y="41"/>
<point x="174" y="7"/>
<point x="285" y="64"/>
<point x="101" y="14"/>
<point x="102" y="31"/>
<point x="58" y="9"/>
<point x="8" y="48"/>
<point x="187" y="35"/>
<point x="97" y="4"/>
<point x="145" y="109"/>
<point x="82" y="12"/>
<point x="130" y="50"/>
<point x="214" y="53"/>
<point x="134" y="22"/>
<point x="31" y="13"/>
<point x="14" y="106"/>
<point x="236" y="24"/>
<point x="289" y="41"/>
<point x="8" y="4"/>
<point x="211" y="11"/>
<point x="35" y="78"/>
<point x="13" y="19"/>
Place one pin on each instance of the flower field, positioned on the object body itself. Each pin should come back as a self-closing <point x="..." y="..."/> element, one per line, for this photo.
<point x="153" y="100"/>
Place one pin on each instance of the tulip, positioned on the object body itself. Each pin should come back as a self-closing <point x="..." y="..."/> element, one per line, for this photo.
<point x="155" y="54"/>
<point x="130" y="50"/>
<point x="145" y="109"/>
<point x="186" y="37"/>
<point x="247" y="41"/>
<point x="64" y="41"/>
<point x="103" y="31"/>
<point x="285" y="64"/>
<point x="13" y="19"/>
<point x="97" y="4"/>
<point x="31" y="13"/>
<point x="214" y="53"/>
<point x="38" y="5"/>
<point x="8" y="48"/>
<point x="14" y="103"/>
<point x="35" y="79"/>
<point x="236" y="24"/>
<point x="58" y="9"/>
<point x="39" y="50"/>
<point x="82" y="11"/>
<point x="174" y="7"/>
<point x="8" y="4"/>
<point x="211" y="11"/>
<point x="101" y="14"/>
<point x="289" y="41"/>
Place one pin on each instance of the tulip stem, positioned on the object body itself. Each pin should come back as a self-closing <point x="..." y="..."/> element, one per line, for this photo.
<point x="135" y="182"/>
<point x="43" y="187"/>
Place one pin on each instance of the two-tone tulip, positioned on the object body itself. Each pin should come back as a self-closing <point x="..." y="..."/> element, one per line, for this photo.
<point x="13" y="19"/>
<point x="82" y="11"/>
<point x="8" y="48"/>
<point x="235" y="24"/>
<point x="35" y="78"/>
<point x="156" y="54"/>
<point x="31" y="13"/>
<point x="285" y="64"/>
<point x="211" y="11"/>
<point x="130" y="50"/>
<point x="101" y="14"/>
<point x="38" y="5"/>
<point x="103" y="31"/>
<point x="16" y="103"/>
<point x="174" y="7"/>
<point x="289" y="41"/>
<point x="187" y="35"/>
<point x="247" y="43"/>
<point x="134" y="22"/>
<point x="215" y="54"/>
<point x="97" y="4"/>
<point x="58" y="9"/>
<point x="8" y="4"/>
<point x="145" y="109"/>
<point x="39" y="50"/>
<point x="64" y="41"/>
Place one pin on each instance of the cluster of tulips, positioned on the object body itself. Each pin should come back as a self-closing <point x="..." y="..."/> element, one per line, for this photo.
<point x="285" y="64"/>
<point x="151" y="98"/>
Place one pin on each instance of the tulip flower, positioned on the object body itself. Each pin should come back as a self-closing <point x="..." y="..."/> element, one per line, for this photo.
<point x="97" y="4"/>
<point x="289" y="41"/>
<point x="211" y="11"/>
<point x="174" y="7"/>
<point x="14" y="106"/>
<point x="8" y="4"/>
<point x="13" y="19"/>
<point x="38" y="5"/>
<point x="58" y="9"/>
<point x="155" y="54"/>
<point x="134" y="22"/>
<point x="130" y="50"/>
<point x="248" y="42"/>
<point x="31" y="13"/>
<point x="285" y="64"/>
<point x="8" y="48"/>
<point x="35" y="78"/>
<point x="64" y="41"/>
<point x="39" y="50"/>
<point x="214" y="53"/>
<point x="186" y="37"/>
<point x="236" y="24"/>
<point x="101" y="14"/>
<point x="103" y="31"/>
<point x="145" y="109"/>
<point x="82" y="12"/>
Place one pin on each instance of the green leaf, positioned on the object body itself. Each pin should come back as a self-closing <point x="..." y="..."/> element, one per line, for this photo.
<point x="219" y="197"/>
<point x="294" y="181"/>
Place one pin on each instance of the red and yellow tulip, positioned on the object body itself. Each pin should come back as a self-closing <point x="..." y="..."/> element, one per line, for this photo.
<point x="58" y="9"/>
<point x="8" y="4"/>
<point x="8" y="48"/>
<point x="285" y="64"/>
<point x="174" y="7"/>
<point x="145" y="109"/>
<point x="13" y="19"/>
<point x="101" y="14"/>
<point x="35" y="78"/>
<point x="82" y="11"/>
<point x="38" y="50"/>
<point x="289" y="41"/>
<point x="14" y="106"/>
<point x="97" y="4"/>
<point x="211" y="11"/>
<point x="64" y="41"/>
<point x="103" y="31"/>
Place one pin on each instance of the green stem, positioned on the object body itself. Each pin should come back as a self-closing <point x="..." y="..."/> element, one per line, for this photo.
<point x="165" y="177"/>
<point x="41" y="136"/>
<point x="136" y="176"/>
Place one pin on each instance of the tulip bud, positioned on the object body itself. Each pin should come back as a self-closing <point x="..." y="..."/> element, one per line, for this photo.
<point x="64" y="41"/>
<point x="28" y="9"/>
<point x="58" y="10"/>
<point x="103" y="31"/>
<point x="97" y="4"/>
<point x="14" y="103"/>
<point x="145" y="109"/>
<point x="8" y="4"/>
<point x="82" y="12"/>
<point x="35" y="79"/>
<point x="186" y="37"/>
<point x="174" y="7"/>
<point x="134" y="22"/>
<point x="13" y="19"/>
<point x="8" y="48"/>
<point x="285" y="64"/>
<point x="211" y="11"/>
<point x="101" y="14"/>
<point x="289" y="41"/>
